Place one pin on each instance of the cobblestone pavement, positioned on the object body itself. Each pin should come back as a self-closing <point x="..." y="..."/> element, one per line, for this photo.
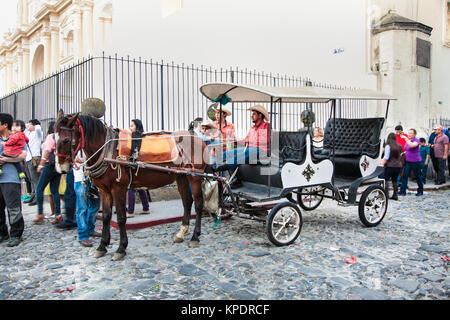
<point x="399" y="259"/>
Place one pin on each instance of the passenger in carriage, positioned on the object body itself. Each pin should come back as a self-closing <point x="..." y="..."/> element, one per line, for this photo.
<point x="225" y="130"/>
<point x="208" y="130"/>
<point x="257" y="144"/>
<point x="318" y="137"/>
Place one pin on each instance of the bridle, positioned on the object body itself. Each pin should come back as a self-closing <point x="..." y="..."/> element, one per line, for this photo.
<point x="79" y="146"/>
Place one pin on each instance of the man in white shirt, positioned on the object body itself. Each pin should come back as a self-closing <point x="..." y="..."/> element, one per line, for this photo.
<point x="87" y="206"/>
<point x="34" y="134"/>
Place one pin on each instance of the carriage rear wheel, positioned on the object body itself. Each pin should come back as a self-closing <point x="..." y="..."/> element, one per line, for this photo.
<point x="227" y="206"/>
<point x="310" y="198"/>
<point x="373" y="206"/>
<point x="284" y="224"/>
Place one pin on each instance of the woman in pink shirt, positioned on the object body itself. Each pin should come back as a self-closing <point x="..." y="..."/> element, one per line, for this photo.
<point x="48" y="174"/>
<point x="227" y="130"/>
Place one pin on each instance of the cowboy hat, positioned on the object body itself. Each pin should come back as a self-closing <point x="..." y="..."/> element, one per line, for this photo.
<point x="224" y="109"/>
<point x="262" y="110"/>
<point x="209" y="124"/>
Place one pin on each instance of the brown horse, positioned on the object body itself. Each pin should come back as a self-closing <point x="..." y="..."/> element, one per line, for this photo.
<point x="82" y="132"/>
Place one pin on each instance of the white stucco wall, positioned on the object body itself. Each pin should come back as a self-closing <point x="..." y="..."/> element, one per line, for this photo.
<point x="284" y="36"/>
<point x="431" y="13"/>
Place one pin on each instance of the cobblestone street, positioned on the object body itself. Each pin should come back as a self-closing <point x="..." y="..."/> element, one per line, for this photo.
<point x="402" y="258"/>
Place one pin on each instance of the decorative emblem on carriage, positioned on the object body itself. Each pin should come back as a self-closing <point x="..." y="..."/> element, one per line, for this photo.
<point x="308" y="173"/>
<point x="365" y="164"/>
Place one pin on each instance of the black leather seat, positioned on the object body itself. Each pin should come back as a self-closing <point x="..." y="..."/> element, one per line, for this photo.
<point x="292" y="148"/>
<point x="354" y="138"/>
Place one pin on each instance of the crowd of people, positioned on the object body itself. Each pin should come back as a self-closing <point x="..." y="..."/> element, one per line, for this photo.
<point x="27" y="155"/>
<point x="405" y="153"/>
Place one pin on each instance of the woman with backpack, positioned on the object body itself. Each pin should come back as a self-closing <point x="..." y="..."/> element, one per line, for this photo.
<point x="392" y="163"/>
<point x="48" y="174"/>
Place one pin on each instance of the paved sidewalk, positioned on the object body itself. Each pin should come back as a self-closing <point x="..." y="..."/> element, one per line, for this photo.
<point x="402" y="258"/>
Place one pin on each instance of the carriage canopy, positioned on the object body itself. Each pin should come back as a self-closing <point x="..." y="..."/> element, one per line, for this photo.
<point x="261" y="94"/>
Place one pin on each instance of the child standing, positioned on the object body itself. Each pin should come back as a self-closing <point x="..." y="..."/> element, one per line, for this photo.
<point x="425" y="155"/>
<point x="15" y="145"/>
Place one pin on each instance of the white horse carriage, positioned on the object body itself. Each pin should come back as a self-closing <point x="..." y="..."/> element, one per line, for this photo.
<point x="296" y="175"/>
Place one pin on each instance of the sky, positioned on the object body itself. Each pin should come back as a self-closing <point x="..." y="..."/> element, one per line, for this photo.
<point x="8" y="15"/>
<point x="253" y="33"/>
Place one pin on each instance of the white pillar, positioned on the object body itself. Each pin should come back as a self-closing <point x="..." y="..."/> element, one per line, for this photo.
<point x="20" y="13"/>
<point x="26" y="66"/>
<point x="77" y="35"/>
<point x="47" y="53"/>
<point x="9" y="72"/>
<point x="26" y="19"/>
<point x="20" y="80"/>
<point x="88" y="32"/>
<point x="55" y="48"/>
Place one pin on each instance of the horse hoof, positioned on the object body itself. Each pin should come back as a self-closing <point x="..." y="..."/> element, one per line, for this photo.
<point x="194" y="244"/>
<point x="99" y="254"/>
<point x="178" y="240"/>
<point x="118" y="256"/>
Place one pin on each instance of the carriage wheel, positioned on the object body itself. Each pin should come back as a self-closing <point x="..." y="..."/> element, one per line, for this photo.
<point x="223" y="212"/>
<point x="373" y="206"/>
<point x="312" y="199"/>
<point x="284" y="224"/>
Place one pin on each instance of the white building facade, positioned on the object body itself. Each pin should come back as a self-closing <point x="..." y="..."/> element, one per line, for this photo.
<point x="49" y="35"/>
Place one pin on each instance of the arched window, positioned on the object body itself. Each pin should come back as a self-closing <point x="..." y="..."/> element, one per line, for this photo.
<point x="68" y="42"/>
<point x="38" y="63"/>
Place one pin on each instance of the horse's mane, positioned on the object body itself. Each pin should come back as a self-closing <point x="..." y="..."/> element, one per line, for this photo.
<point x="93" y="127"/>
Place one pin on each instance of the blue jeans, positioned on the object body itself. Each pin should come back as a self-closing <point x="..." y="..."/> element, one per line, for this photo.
<point x="87" y="209"/>
<point x="415" y="167"/>
<point x="48" y="175"/>
<point x="423" y="172"/>
<point x="70" y="199"/>
<point x="238" y="156"/>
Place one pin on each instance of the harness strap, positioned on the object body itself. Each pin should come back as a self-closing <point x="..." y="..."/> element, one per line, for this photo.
<point x="80" y="145"/>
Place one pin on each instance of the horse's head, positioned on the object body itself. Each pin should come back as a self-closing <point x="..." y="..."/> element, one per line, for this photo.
<point x="67" y="137"/>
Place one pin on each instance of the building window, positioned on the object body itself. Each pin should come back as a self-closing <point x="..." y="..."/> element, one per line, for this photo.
<point x="69" y="44"/>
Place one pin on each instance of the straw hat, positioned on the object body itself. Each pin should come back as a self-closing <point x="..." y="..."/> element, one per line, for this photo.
<point x="262" y="110"/>
<point x="209" y="124"/>
<point x="224" y="109"/>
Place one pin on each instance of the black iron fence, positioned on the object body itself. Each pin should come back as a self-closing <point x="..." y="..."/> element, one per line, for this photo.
<point x="445" y="122"/>
<point x="165" y="96"/>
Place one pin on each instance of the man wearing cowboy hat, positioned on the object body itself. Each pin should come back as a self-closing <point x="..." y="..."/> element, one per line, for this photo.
<point x="257" y="142"/>
<point x="227" y="130"/>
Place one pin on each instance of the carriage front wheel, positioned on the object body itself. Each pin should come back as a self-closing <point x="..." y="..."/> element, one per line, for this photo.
<point x="373" y="206"/>
<point x="284" y="224"/>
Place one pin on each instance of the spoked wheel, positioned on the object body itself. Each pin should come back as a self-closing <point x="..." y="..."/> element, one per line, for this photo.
<point x="227" y="206"/>
<point x="373" y="206"/>
<point x="284" y="224"/>
<point x="310" y="198"/>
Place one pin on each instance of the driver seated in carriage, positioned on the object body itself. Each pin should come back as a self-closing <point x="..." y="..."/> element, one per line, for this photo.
<point x="257" y="144"/>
